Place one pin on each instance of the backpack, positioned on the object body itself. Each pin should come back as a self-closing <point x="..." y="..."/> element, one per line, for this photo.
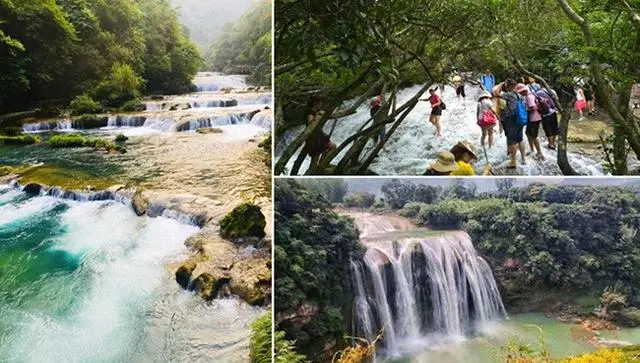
<point x="544" y="106"/>
<point x="522" y="116"/>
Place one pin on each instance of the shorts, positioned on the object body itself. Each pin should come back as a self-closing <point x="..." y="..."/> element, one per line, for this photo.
<point x="460" y="91"/>
<point x="550" y="124"/>
<point x="580" y="105"/>
<point x="533" y="128"/>
<point x="436" y="111"/>
<point x="513" y="131"/>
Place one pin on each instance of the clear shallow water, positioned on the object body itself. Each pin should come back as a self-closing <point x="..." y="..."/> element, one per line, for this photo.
<point x="89" y="282"/>
<point x="413" y="146"/>
<point x="561" y="339"/>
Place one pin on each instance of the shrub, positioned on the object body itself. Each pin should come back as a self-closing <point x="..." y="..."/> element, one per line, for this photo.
<point x="260" y="342"/>
<point x="84" y="104"/>
<point x="360" y="200"/>
<point x="19" y="140"/>
<point x="122" y="86"/>
<point x="133" y="106"/>
<point x="77" y="140"/>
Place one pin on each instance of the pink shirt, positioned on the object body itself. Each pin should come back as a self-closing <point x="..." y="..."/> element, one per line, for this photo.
<point x="434" y="99"/>
<point x="532" y="107"/>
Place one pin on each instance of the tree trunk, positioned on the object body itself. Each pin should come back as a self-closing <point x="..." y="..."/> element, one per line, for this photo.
<point x="630" y="128"/>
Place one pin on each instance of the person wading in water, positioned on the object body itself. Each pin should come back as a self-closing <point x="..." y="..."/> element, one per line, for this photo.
<point x="512" y="123"/>
<point x="436" y="110"/>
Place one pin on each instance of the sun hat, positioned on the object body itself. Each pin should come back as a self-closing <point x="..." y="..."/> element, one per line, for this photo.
<point x="497" y="89"/>
<point x="485" y="94"/>
<point x="445" y="163"/>
<point x="521" y="87"/>
<point x="465" y="146"/>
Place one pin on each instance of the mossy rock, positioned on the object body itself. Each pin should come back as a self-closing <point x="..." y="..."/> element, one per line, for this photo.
<point x="121" y="138"/>
<point x="5" y="170"/>
<point x="245" y="220"/>
<point x="209" y="131"/>
<point x="208" y="286"/>
<point x="183" y="274"/>
<point x="91" y="122"/>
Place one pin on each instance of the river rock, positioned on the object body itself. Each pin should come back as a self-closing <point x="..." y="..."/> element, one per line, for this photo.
<point x="91" y="122"/>
<point x="208" y="286"/>
<point x="251" y="281"/>
<point x="183" y="274"/>
<point x="245" y="220"/>
<point x="32" y="189"/>
<point x="139" y="203"/>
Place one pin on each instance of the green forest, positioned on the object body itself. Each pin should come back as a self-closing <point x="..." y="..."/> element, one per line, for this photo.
<point x="245" y="46"/>
<point x="354" y="50"/>
<point x="93" y="54"/>
<point x="575" y="241"/>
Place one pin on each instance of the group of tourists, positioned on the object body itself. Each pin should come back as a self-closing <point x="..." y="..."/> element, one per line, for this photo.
<point x="517" y="109"/>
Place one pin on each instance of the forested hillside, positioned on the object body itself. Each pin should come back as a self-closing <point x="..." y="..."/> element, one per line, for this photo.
<point x="108" y="51"/>
<point x="206" y="19"/>
<point x="245" y="45"/>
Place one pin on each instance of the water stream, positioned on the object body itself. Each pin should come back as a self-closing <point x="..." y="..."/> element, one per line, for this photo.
<point x="413" y="146"/>
<point x="90" y="282"/>
<point x="437" y="301"/>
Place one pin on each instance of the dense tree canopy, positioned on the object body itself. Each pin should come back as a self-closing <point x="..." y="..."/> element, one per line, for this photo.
<point x="354" y="49"/>
<point x="245" y="46"/>
<point x="109" y="50"/>
<point x="312" y="256"/>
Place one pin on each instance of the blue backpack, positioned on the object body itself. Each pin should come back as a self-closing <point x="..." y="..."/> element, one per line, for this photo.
<point x="522" y="116"/>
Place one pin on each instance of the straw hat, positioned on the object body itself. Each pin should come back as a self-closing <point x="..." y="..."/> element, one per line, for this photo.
<point x="445" y="163"/>
<point x="465" y="146"/>
<point x="497" y="89"/>
<point x="485" y="94"/>
<point x="521" y="87"/>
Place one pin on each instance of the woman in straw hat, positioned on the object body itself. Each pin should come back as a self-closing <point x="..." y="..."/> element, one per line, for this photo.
<point x="443" y="166"/>
<point x="465" y="155"/>
<point x="487" y="118"/>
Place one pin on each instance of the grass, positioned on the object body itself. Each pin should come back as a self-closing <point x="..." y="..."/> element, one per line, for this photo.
<point x="19" y="140"/>
<point x="77" y="140"/>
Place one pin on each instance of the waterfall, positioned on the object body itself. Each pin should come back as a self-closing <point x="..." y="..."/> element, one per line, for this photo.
<point x="418" y="288"/>
<point x="126" y="121"/>
<point x="207" y="122"/>
<point x="413" y="146"/>
<point x="61" y="125"/>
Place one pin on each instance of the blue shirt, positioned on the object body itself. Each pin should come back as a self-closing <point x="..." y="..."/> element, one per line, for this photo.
<point x="488" y="81"/>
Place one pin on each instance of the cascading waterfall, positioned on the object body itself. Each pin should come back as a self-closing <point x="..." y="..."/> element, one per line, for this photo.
<point x="126" y="121"/>
<point x="207" y="122"/>
<point x="423" y="291"/>
<point x="62" y="125"/>
<point x="88" y="281"/>
<point x="413" y="145"/>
